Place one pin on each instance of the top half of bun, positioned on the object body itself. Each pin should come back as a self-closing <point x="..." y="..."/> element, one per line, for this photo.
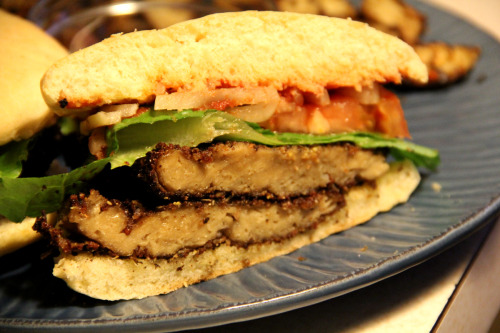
<point x="26" y="53"/>
<point x="239" y="49"/>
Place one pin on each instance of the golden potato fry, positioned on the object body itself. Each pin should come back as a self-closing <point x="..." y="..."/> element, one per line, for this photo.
<point x="394" y="17"/>
<point x="337" y="8"/>
<point x="235" y="5"/>
<point x="160" y="18"/>
<point x="298" y="6"/>
<point x="334" y="8"/>
<point x="164" y="17"/>
<point x="447" y="63"/>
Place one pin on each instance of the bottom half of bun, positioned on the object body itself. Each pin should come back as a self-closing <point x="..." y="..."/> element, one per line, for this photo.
<point x="95" y="274"/>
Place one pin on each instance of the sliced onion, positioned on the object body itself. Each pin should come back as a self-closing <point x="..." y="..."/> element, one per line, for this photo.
<point x="100" y="119"/>
<point x="126" y="110"/>
<point x="256" y="113"/>
<point x="367" y="95"/>
<point x="229" y="97"/>
<point x="97" y="143"/>
<point x="109" y="115"/>
<point x="179" y="101"/>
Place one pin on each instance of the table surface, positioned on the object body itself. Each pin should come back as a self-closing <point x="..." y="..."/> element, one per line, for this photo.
<point x="444" y="294"/>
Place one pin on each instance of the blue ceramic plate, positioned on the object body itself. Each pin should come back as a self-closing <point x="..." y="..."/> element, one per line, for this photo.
<point x="462" y="121"/>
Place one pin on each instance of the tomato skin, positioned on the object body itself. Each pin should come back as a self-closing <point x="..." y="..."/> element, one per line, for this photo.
<point x="220" y="105"/>
<point x="343" y="114"/>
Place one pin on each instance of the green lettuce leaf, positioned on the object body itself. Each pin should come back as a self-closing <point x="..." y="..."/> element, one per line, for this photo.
<point x="12" y="155"/>
<point x="133" y="138"/>
<point x="68" y="126"/>
<point x="21" y="197"/>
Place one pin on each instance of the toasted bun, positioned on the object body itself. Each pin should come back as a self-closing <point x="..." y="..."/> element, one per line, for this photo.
<point x="239" y="49"/>
<point x="27" y="52"/>
<point x="95" y="275"/>
<point x="14" y="236"/>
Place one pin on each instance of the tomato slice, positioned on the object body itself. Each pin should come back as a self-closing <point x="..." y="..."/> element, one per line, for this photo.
<point x="344" y="114"/>
<point x="389" y="115"/>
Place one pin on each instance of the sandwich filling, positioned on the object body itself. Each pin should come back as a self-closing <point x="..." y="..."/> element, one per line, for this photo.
<point x="370" y="109"/>
<point x="198" y="195"/>
<point x="235" y="192"/>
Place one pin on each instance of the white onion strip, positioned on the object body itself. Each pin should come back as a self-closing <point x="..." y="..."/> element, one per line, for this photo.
<point x="126" y="110"/>
<point x="109" y="115"/>
<point x="250" y="104"/>
<point x="255" y="113"/>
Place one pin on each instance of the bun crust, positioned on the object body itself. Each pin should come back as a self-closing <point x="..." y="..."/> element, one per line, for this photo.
<point x="95" y="275"/>
<point x="14" y="236"/>
<point x="240" y="49"/>
<point x="27" y="52"/>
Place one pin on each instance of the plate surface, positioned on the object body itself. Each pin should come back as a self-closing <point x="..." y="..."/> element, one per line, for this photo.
<point x="462" y="121"/>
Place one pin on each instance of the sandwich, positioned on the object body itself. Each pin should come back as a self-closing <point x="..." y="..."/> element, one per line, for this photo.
<point x="25" y="129"/>
<point x="225" y="141"/>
